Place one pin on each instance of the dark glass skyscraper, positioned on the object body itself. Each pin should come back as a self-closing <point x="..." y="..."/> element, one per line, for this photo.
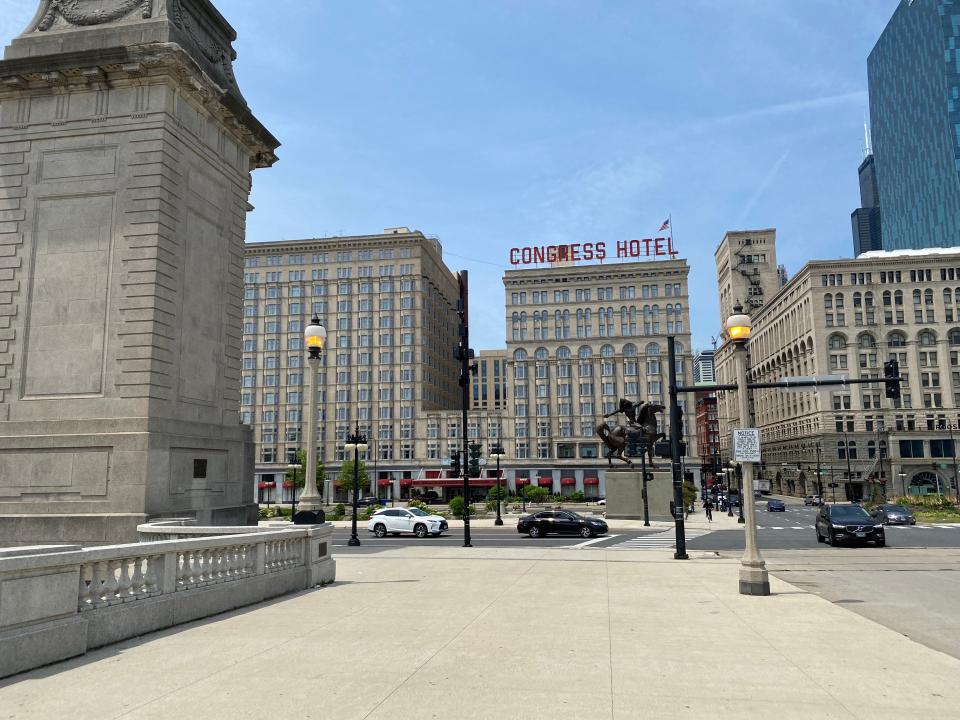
<point x="866" y="218"/>
<point x="914" y="77"/>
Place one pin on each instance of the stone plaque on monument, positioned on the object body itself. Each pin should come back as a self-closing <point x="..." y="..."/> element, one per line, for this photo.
<point x="126" y="150"/>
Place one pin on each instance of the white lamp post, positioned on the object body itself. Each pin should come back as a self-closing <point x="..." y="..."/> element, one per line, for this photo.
<point x="315" y="336"/>
<point x="754" y="579"/>
<point x="357" y="443"/>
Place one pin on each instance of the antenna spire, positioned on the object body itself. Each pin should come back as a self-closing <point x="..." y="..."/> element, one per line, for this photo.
<point x="867" y="145"/>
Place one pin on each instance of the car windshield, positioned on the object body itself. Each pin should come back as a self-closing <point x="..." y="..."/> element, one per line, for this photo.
<point x="849" y="512"/>
<point x="571" y="513"/>
<point x="417" y="511"/>
<point x="895" y="508"/>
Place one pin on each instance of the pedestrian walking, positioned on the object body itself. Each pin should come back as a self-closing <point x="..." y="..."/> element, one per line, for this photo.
<point x="708" y="509"/>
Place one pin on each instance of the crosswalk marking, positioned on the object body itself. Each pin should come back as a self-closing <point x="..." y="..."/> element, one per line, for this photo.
<point x="661" y="540"/>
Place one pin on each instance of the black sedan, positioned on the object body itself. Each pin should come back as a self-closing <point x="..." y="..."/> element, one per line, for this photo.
<point x="848" y="523"/>
<point x="776" y="506"/>
<point x="560" y="522"/>
<point x="893" y="515"/>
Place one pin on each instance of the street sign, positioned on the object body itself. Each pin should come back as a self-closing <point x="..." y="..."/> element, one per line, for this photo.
<point x="746" y="445"/>
<point x="808" y="379"/>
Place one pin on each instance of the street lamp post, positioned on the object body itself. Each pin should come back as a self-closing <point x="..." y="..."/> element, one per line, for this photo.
<point x="753" y="570"/>
<point x="903" y="481"/>
<point x="848" y="485"/>
<point x="314" y="336"/>
<point x="497" y="452"/>
<point x="819" y="476"/>
<point x="357" y="443"/>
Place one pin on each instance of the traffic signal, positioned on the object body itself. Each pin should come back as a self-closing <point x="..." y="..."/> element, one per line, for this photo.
<point x="891" y="369"/>
<point x="455" y="462"/>
<point x="475" y="449"/>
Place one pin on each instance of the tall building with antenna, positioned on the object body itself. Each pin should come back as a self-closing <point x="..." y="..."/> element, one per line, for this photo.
<point x="865" y="220"/>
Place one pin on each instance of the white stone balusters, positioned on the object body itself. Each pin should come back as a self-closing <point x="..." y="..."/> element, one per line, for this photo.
<point x="110" y="585"/>
<point x="85" y="595"/>
<point x="137" y="583"/>
<point x="124" y="582"/>
<point x="151" y="580"/>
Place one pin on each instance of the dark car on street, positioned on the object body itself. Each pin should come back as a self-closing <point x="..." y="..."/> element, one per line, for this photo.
<point x="848" y="523"/>
<point x="560" y="522"/>
<point x="893" y="515"/>
<point x="776" y="506"/>
<point x="367" y="501"/>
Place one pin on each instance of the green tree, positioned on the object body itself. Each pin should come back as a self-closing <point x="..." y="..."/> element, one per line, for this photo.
<point x="495" y="493"/>
<point x="298" y="478"/>
<point x="456" y="507"/>
<point x="689" y="493"/>
<point x="535" y="494"/>
<point x="344" y="479"/>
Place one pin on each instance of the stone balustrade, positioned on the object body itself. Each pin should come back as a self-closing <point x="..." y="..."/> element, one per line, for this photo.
<point x="60" y="601"/>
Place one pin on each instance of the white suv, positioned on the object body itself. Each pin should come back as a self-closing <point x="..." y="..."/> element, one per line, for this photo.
<point x="409" y="520"/>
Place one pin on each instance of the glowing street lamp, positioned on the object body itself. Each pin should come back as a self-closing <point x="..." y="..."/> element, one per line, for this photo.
<point x="314" y="336"/>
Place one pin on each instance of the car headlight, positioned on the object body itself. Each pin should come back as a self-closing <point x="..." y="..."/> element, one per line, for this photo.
<point x="839" y="527"/>
<point x="878" y="527"/>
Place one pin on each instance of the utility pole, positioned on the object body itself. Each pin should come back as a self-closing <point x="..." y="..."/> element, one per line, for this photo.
<point x="675" y="433"/>
<point x="466" y="367"/>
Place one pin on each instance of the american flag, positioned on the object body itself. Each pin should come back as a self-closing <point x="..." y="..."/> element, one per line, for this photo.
<point x="665" y="226"/>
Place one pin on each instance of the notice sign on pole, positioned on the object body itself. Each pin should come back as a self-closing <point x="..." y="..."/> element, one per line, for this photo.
<point x="746" y="445"/>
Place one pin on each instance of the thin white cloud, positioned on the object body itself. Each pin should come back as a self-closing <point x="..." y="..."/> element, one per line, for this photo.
<point x="764" y="184"/>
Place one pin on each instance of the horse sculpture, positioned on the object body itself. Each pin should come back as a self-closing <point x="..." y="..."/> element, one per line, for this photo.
<point x="643" y="422"/>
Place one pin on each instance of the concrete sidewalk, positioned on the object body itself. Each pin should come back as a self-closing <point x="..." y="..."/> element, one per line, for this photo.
<point x="459" y="633"/>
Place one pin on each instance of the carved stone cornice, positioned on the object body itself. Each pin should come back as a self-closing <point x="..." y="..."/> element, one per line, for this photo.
<point x="141" y="62"/>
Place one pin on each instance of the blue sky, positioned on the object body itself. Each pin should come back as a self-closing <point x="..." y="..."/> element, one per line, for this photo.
<point x="498" y="123"/>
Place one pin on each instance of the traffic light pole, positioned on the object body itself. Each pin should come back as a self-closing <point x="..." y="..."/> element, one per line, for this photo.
<point x="464" y="353"/>
<point x="675" y="435"/>
<point x="643" y="469"/>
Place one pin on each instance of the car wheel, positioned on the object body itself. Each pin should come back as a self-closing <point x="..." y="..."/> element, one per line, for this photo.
<point x="829" y="539"/>
<point x="420" y="530"/>
<point x="586" y="532"/>
<point x="820" y="538"/>
<point x="534" y="531"/>
<point x="881" y="543"/>
<point x="380" y="530"/>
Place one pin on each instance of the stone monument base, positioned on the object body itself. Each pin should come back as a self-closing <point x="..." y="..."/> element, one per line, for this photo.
<point x="625" y="494"/>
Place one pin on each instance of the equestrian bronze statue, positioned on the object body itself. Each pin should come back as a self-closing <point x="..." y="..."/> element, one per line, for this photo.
<point x="641" y="419"/>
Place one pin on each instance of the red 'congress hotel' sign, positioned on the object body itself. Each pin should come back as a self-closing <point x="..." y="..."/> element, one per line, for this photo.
<point x="625" y="249"/>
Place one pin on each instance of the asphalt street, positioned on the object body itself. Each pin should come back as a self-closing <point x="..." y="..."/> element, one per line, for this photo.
<point x="789" y="530"/>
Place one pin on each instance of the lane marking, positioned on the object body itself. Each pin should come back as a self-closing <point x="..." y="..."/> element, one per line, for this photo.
<point x="591" y="542"/>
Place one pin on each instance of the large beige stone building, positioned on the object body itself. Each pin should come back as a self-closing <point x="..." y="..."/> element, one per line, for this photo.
<point x="848" y="317"/>
<point x="578" y="339"/>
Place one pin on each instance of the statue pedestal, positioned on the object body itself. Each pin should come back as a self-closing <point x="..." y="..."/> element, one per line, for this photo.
<point x="625" y="494"/>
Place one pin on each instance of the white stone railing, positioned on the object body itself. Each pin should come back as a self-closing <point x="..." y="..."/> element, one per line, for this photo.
<point x="60" y="601"/>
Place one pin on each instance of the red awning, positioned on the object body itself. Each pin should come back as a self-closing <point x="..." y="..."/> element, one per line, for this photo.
<point x="266" y="485"/>
<point x="453" y="482"/>
<point x="406" y="482"/>
<point x="591" y="481"/>
<point x="433" y="473"/>
<point x="522" y="481"/>
<point x="384" y="483"/>
<point x="568" y="481"/>
<point x="545" y="481"/>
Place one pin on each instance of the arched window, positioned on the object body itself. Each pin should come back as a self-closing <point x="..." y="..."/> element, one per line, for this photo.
<point x="629" y="350"/>
<point x="838" y="301"/>
<point x="519" y="354"/>
<point x="928" y="297"/>
<point x="896" y="339"/>
<point x="541" y="353"/>
<point x="606" y="351"/>
<point x="585" y="351"/>
<point x="828" y="301"/>
<point x="953" y="337"/>
<point x="947" y="296"/>
<point x="866" y="341"/>
<point x="898" y="297"/>
<point x="887" y="298"/>
<point x="652" y="349"/>
<point x="857" y="300"/>
<point x="927" y="338"/>
<point x="563" y="352"/>
<point x="837" y="342"/>
<point x="678" y="347"/>
<point x="956" y="296"/>
<point x="656" y="312"/>
<point x="868" y="299"/>
<point x="916" y="297"/>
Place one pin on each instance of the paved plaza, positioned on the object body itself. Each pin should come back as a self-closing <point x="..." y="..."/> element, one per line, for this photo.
<point x="446" y="632"/>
